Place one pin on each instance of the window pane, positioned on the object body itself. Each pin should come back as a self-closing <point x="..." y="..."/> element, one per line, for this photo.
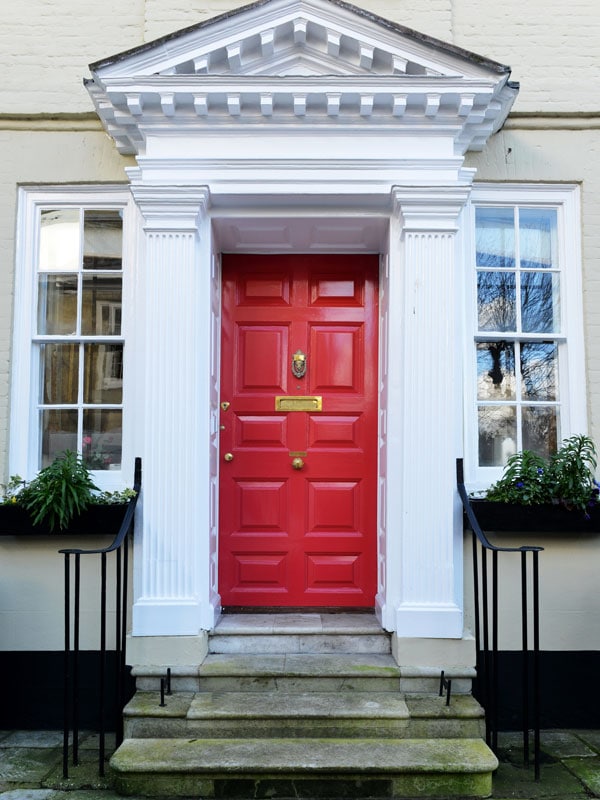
<point x="59" y="239"/>
<point x="103" y="376"/>
<point x="57" y="304"/>
<point x="537" y="238"/>
<point x="101" y="306"/>
<point x="497" y="434"/>
<point x="59" y="433"/>
<point x="60" y="373"/>
<point x="102" y="239"/>
<point x="539" y="429"/>
<point x="102" y="435"/>
<point x="495" y="237"/>
<point x="496" y="371"/>
<point x="540" y="302"/>
<point x="539" y="371"/>
<point x="496" y="301"/>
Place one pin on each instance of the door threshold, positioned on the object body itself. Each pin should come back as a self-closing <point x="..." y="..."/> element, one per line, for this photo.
<point x="296" y="610"/>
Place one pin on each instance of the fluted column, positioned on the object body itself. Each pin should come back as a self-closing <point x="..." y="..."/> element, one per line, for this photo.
<point x="173" y="288"/>
<point x="424" y="532"/>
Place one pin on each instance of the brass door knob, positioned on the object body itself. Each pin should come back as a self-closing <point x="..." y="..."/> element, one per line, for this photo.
<point x="297" y="463"/>
<point x="228" y="456"/>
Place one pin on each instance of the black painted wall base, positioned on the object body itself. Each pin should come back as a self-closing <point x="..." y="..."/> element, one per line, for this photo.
<point x="32" y="690"/>
<point x="569" y="693"/>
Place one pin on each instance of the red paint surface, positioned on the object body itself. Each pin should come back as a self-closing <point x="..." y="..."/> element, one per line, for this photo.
<point x="299" y="537"/>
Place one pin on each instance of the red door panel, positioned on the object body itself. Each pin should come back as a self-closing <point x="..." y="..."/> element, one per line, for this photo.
<point x="298" y="537"/>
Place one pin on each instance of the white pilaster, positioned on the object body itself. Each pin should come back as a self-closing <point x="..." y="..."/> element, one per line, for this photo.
<point x="173" y="298"/>
<point x="424" y="555"/>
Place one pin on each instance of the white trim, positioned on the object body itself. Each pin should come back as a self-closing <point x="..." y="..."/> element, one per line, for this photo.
<point x="212" y="78"/>
<point x="24" y="423"/>
<point x="565" y="199"/>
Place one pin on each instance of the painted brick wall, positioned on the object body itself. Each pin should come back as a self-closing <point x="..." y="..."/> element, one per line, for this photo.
<point x="46" y="45"/>
<point x="555" y="55"/>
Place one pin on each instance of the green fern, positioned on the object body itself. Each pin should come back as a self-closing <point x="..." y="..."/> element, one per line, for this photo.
<point x="59" y="492"/>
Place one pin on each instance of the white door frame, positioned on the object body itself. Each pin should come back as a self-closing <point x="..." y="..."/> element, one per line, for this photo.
<point x="420" y="559"/>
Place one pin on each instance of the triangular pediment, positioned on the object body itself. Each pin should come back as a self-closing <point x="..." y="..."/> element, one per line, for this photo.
<point x="278" y="37"/>
<point x="310" y="58"/>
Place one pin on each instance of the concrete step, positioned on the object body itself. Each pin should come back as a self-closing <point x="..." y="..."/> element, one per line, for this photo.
<point x="299" y="633"/>
<point x="322" y="714"/>
<point x="304" y="768"/>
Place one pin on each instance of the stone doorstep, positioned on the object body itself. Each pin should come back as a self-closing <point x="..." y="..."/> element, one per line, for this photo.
<point x="301" y="704"/>
<point x="300" y="665"/>
<point x="303" y="672"/>
<point x="299" y="643"/>
<point x="323" y="714"/>
<point x="294" y="767"/>
<point x="347" y="623"/>
<point x="286" y="756"/>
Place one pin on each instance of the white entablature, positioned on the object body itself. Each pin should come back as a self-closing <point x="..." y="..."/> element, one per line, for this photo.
<point x="300" y="64"/>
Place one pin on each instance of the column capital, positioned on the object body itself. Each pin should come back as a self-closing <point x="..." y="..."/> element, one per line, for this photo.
<point x="171" y="208"/>
<point x="424" y="209"/>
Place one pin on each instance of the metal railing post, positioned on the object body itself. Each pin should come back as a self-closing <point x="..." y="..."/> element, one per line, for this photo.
<point x="120" y="547"/>
<point x="488" y="659"/>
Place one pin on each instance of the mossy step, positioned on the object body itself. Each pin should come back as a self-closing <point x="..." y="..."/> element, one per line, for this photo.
<point x="307" y="714"/>
<point x="300" y="665"/>
<point x="225" y="705"/>
<point x="298" y="767"/>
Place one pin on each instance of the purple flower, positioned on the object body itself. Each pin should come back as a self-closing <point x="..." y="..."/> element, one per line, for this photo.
<point x="519" y="484"/>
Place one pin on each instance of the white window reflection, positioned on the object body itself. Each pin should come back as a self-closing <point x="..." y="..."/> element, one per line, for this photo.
<point x="60" y="241"/>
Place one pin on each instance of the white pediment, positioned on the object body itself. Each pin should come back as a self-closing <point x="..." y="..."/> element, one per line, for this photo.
<point x="318" y="61"/>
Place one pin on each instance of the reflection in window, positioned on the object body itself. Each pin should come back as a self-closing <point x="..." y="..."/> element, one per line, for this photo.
<point x="518" y="296"/>
<point x="80" y="297"/>
<point x="497" y="301"/>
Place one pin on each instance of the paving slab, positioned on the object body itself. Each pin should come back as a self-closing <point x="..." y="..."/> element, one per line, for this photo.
<point x="33" y="739"/>
<point x="26" y="765"/>
<point x="564" y="744"/>
<point x="587" y="770"/>
<point x="557" y="783"/>
<point x="591" y="738"/>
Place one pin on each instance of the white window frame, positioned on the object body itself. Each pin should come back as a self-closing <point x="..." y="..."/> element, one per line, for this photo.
<point x="565" y="198"/>
<point x="25" y="372"/>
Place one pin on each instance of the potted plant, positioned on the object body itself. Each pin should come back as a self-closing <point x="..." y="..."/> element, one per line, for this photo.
<point x="62" y="498"/>
<point x="536" y="494"/>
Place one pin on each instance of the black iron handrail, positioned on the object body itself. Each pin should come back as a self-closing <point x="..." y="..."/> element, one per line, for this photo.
<point x="487" y="657"/>
<point x="120" y="547"/>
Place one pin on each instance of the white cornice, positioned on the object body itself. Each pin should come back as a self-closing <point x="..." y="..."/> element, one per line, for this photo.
<point x="297" y="64"/>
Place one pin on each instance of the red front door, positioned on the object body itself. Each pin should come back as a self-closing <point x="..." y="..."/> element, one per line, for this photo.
<point x="298" y="488"/>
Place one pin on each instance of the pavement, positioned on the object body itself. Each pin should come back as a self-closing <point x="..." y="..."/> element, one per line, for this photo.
<point x="31" y="767"/>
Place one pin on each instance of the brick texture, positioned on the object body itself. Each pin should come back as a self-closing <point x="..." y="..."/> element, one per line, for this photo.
<point x="46" y="45"/>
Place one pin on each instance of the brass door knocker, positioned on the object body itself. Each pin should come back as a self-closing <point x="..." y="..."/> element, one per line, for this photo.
<point x="298" y="364"/>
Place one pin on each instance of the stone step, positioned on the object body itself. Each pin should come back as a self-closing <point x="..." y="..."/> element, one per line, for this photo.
<point x="299" y="633"/>
<point x="304" y="768"/>
<point x="322" y="714"/>
<point x="302" y="672"/>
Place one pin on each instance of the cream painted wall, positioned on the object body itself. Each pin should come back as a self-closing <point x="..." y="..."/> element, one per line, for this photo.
<point x="31" y="592"/>
<point x="45" y="46"/>
<point x="569" y="603"/>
